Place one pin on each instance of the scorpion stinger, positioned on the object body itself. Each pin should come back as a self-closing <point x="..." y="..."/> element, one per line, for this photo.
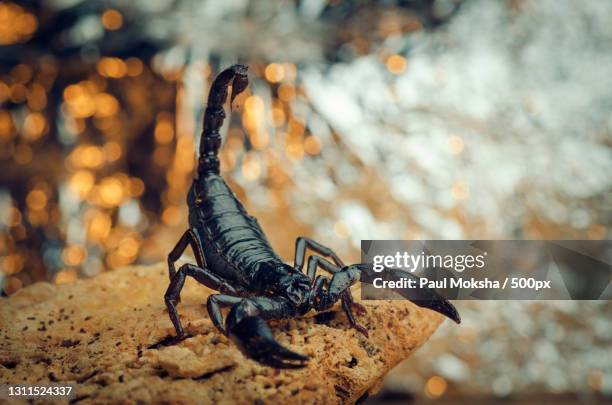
<point x="214" y="115"/>
<point x="235" y="258"/>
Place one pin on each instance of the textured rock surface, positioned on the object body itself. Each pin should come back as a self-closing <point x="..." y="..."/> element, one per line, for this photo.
<point x="102" y="333"/>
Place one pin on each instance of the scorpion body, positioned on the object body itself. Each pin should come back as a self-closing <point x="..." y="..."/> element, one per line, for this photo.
<point x="235" y="258"/>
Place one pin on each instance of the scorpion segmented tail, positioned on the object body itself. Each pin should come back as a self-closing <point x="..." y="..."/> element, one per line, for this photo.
<point x="214" y="115"/>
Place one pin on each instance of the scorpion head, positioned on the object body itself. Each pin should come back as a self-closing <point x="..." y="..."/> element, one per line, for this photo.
<point x="295" y="286"/>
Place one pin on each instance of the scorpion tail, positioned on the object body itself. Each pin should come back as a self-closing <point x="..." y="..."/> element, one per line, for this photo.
<point x="422" y="296"/>
<point x="214" y="115"/>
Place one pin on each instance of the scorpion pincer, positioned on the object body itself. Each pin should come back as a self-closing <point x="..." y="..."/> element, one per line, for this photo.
<point x="234" y="258"/>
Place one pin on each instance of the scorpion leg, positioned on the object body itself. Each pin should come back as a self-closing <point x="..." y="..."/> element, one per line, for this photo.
<point x="315" y="261"/>
<point x="214" y="304"/>
<point x="203" y="276"/>
<point x="347" y="301"/>
<point x="246" y="325"/>
<point x="188" y="238"/>
<point x="301" y="245"/>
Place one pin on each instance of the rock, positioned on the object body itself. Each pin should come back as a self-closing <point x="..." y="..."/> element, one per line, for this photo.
<point x="104" y="334"/>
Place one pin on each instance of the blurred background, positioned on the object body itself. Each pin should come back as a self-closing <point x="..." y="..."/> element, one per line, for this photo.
<point x="394" y="119"/>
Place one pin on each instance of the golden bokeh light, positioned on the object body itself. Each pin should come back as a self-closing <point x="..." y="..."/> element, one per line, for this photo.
<point x="172" y="74"/>
<point x="34" y="126"/>
<point x="134" y="66"/>
<point x="254" y="104"/>
<point x="171" y="215"/>
<point x="259" y="140"/>
<point x="89" y="156"/>
<point x="112" y="67"/>
<point x="99" y="225"/>
<point x="66" y="276"/>
<point x="92" y="156"/>
<point x="396" y="64"/>
<point x="435" y="387"/>
<point x="128" y="247"/>
<point x="296" y="127"/>
<point x="74" y="125"/>
<point x="164" y="131"/>
<point x="38" y="217"/>
<point x="111" y="192"/>
<point x="73" y="255"/>
<point x="277" y="116"/>
<point x="112" y="151"/>
<point x="106" y="105"/>
<point x="81" y="183"/>
<point x="16" y="24"/>
<point x="79" y="98"/>
<point x="18" y="93"/>
<point x="112" y="19"/>
<point x="251" y="167"/>
<point x="7" y="127"/>
<point x="21" y="73"/>
<point x="36" y="199"/>
<point x="274" y="72"/>
<point x="11" y="264"/>
<point x="295" y="150"/>
<point x="286" y="92"/>
<point x="136" y="187"/>
<point x="12" y="217"/>
<point x="37" y="97"/>
<point x="312" y="145"/>
<point x="290" y="71"/>
<point x="455" y="144"/>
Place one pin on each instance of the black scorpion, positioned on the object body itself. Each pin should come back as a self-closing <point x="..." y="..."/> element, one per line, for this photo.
<point x="234" y="257"/>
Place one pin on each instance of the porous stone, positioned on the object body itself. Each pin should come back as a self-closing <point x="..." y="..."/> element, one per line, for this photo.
<point x="104" y="335"/>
